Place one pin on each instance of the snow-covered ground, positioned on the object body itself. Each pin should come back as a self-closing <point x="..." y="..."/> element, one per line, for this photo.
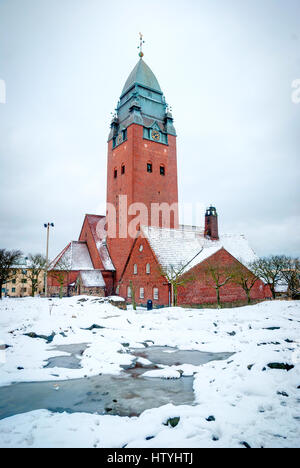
<point x="245" y="400"/>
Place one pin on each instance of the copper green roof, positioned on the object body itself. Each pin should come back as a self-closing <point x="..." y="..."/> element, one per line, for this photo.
<point x="143" y="103"/>
<point x="142" y="75"/>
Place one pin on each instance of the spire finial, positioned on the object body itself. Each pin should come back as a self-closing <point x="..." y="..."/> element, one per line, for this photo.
<point x="141" y="54"/>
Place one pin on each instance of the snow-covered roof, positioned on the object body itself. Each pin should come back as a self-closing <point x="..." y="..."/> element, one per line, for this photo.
<point x="100" y="242"/>
<point x="104" y="255"/>
<point x="92" y="279"/>
<point x="74" y="257"/>
<point x="187" y="248"/>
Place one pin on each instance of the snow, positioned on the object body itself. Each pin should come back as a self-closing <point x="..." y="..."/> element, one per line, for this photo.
<point x="249" y="401"/>
<point x="180" y="247"/>
<point x="104" y="255"/>
<point x="92" y="279"/>
<point x="75" y="257"/>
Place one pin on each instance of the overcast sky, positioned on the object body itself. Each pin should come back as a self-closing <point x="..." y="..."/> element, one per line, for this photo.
<point x="225" y="66"/>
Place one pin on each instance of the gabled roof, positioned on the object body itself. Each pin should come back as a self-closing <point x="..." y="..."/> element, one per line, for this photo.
<point x="74" y="257"/>
<point x="182" y="248"/>
<point x="99" y="240"/>
<point x="92" y="279"/>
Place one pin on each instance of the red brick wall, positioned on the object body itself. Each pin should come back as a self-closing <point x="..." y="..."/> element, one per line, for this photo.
<point x="199" y="291"/>
<point x="142" y="279"/>
<point x="69" y="278"/>
<point x="139" y="185"/>
<point x="202" y="291"/>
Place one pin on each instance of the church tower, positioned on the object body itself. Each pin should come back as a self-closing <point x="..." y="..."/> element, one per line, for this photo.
<point x="142" y="161"/>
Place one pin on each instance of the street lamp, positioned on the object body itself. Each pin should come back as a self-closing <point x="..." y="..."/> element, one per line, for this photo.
<point x="47" y="226"/>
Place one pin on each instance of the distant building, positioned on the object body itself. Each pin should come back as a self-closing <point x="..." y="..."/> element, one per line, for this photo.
<point x="142" y="169"/>
<point x="20" y="285"/>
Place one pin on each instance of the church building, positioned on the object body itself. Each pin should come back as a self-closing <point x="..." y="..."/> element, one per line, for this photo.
<point x="138" y="248"/>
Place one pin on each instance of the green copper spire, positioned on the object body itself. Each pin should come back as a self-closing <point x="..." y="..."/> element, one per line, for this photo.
<point x="143" y="103"/>
<point x="141" y="75"/>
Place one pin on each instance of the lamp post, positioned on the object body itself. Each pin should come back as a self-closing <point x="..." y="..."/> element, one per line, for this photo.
<point x="47" y="226"/>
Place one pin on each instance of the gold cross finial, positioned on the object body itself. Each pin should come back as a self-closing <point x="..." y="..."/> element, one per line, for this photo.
<point x="141" y="54"/>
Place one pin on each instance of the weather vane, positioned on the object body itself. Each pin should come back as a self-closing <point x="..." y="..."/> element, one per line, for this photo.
<point x="141" y="54"/>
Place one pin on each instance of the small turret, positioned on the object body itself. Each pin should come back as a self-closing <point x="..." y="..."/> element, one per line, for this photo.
<point x="211" y="224"/>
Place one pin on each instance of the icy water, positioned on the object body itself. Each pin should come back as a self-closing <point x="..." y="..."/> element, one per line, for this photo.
<point x="67" y="362"/>
<point x="128" y="394"/>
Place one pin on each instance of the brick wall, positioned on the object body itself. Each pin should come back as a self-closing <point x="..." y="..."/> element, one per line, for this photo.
<point x="199" y="291"/>
<point x="202" y="291"/>
<point x="142" y="279"/>
<point x="139" y="185"/>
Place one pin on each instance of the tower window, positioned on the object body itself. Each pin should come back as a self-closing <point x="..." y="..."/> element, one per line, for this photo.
<point x="148" y="269"/>
<point x="162" y="170"/>
<point x="114" y="142"/>
<point x="115" y="173"/>
<point x="124" y="134"/>
<point x="123" y="169"/>
<point x="149" y="167"/>
<point x="135" y="269"/>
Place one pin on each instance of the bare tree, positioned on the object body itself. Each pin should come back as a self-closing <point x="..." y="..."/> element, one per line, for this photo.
<point x="132" y="291"/>
<point x="60" y="273"/>
<point x="291" y="276"/>
<point x="176" y="278"/>
<point x="270" y="270"/>
<point x="8" y="267"/>
<point x="36" y="264"/>
<point x="216" y="273"/>
<point x="243" y="277"/>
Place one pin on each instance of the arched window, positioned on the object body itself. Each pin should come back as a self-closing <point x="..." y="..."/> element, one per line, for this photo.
<point x="123" y="169"/>
<point x="135" y="269"/>
<point x="115" y="173"/>
<point x="148" y="269"/>
<point x="149" y="167"/>
<point x="162" y="170"/>
<point x="155" y="294"/>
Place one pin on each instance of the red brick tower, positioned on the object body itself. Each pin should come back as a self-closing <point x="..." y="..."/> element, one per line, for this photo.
<point x="142" y="162"/>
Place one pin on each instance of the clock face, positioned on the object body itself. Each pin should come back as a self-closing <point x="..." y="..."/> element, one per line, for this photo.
<point x="155" y="135"/>
<point x="120" y="139"/>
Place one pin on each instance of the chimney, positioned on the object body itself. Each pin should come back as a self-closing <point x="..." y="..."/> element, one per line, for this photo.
<point x="211" y="224"/>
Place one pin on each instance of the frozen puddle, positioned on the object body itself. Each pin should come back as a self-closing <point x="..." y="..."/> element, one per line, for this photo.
<point x="128" y="394"/>
<point x="72" y="361"/>
<point x="174" y="357"/>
